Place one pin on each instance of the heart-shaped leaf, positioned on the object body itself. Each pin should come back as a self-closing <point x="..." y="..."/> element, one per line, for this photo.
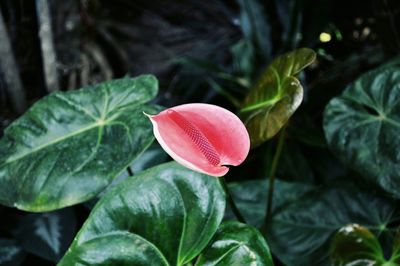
<point x="275" y="96"/>
<point x="236" y="244"/>
<point x="300" y="232"/>
<point x="363" y="127"/>
<point x="47" y="235"/>
<point x="163" y="216"/>
<point x="70" y="145"/>
<point x="356" y="245"/>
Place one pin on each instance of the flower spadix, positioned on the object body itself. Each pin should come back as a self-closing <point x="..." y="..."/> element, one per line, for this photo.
<point x="203" y="137"/>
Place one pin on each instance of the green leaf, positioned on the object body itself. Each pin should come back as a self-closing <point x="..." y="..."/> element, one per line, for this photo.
<point x="275" y="96"/>
<point x="163" y="216"/>
<point x="356" y="245"/>
<point x="300" y="232"/>
<point x="70" y="145"/>
<point x="236" y="244"/>
<point x="363" y="127"/>
<point x="250" y="197"/>
<point x="47" y="235"/>
<point x="11" y="254"/>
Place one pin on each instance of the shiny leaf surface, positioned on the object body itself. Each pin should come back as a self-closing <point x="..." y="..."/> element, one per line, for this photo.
<point x="363" y="127"/>
<point x="356" y="245"/>
<point x="275" y="96"/>
<point x="163" y="216"/>
<point x="236" y="244"/>
<point x="70" y="145"/>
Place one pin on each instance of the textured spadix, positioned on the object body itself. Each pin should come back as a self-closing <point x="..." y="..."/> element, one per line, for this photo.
<point x="203" y="137"/>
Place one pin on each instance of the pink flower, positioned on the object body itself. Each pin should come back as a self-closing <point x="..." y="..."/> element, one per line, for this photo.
<point x="203" y="137"/>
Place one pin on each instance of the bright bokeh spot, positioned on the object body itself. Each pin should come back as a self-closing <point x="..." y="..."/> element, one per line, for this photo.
<point x="325" y="37"/>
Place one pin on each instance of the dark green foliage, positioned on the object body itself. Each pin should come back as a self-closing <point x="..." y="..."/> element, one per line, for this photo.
<point x="236" y="244"/>
<point x="363" y="127"/>
<point x="70" y="146"/>
<point x="163" y="216"/>
<point x="339" y="166"/>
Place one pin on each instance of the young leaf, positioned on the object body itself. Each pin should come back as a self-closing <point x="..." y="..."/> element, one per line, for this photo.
<point x="69" y="146"/>
<point x="300" y="232"/>
<point x="275" y="96"/>
<point x="356" y="245"/>
<point x="236" y="244"/>
<point x="47" y="235"/>
<point x="163" y="216"/>
<point x="363" y="127"/>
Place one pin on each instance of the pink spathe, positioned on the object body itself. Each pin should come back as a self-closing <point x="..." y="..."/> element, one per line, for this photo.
<point x="203" y="137"/>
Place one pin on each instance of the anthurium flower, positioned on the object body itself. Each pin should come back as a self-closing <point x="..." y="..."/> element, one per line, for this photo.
<point x="203" y="137"/>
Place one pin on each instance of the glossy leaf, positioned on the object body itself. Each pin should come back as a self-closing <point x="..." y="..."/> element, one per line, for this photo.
<point x="275" y="96"/>
<point x="363" y="127"/>
<point x="47" y="235"/>
<point x="356" y="245"/>
<point x="11" y="254"/>
<point x="301" y="231"/>
<point x="236" y="244"/>
<point x="250" y="197"/>
<point x="70" y="145"/>
<point x="163" y="216"/>
<point x="203" y="137"/>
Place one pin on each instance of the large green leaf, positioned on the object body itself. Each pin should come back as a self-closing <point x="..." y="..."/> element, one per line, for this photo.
<point x="69" y="146"/>
<point x="363" y="127"/>
<point x="163" y="216"/>
<point x="300" y="232"/>
<point x="275" y="96"/>
<point x="355" y="245"/>
<point x="236" y="244"/>
<point x="250" y="197"/>
<point x="47" y="235"/>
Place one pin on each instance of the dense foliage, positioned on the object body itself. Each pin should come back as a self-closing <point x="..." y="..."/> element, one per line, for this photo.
<point x="82" y="181"/>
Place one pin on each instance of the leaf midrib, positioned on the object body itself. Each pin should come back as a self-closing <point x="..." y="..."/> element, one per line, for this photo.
<point x="43" y="146"/>
<point x="260" y="105"/>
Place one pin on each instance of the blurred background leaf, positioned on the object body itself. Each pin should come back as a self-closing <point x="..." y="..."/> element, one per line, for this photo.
<point x="47" y="235"/>
<point x="11" y="254"/>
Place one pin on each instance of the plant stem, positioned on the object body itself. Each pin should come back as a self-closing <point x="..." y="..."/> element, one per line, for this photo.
<point x="271" y="177"/>
<point x="47" y="45"/>
<point x="130" y="172"/>
<point x="231" y="201"/>
<point x="10" y="72"/>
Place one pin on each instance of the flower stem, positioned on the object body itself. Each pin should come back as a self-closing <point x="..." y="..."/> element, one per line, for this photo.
<point x="271" y="177"/>
<point x="231" y="201"/>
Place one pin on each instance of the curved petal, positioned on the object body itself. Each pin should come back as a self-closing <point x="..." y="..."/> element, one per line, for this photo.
<point x="202" y="137"/>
